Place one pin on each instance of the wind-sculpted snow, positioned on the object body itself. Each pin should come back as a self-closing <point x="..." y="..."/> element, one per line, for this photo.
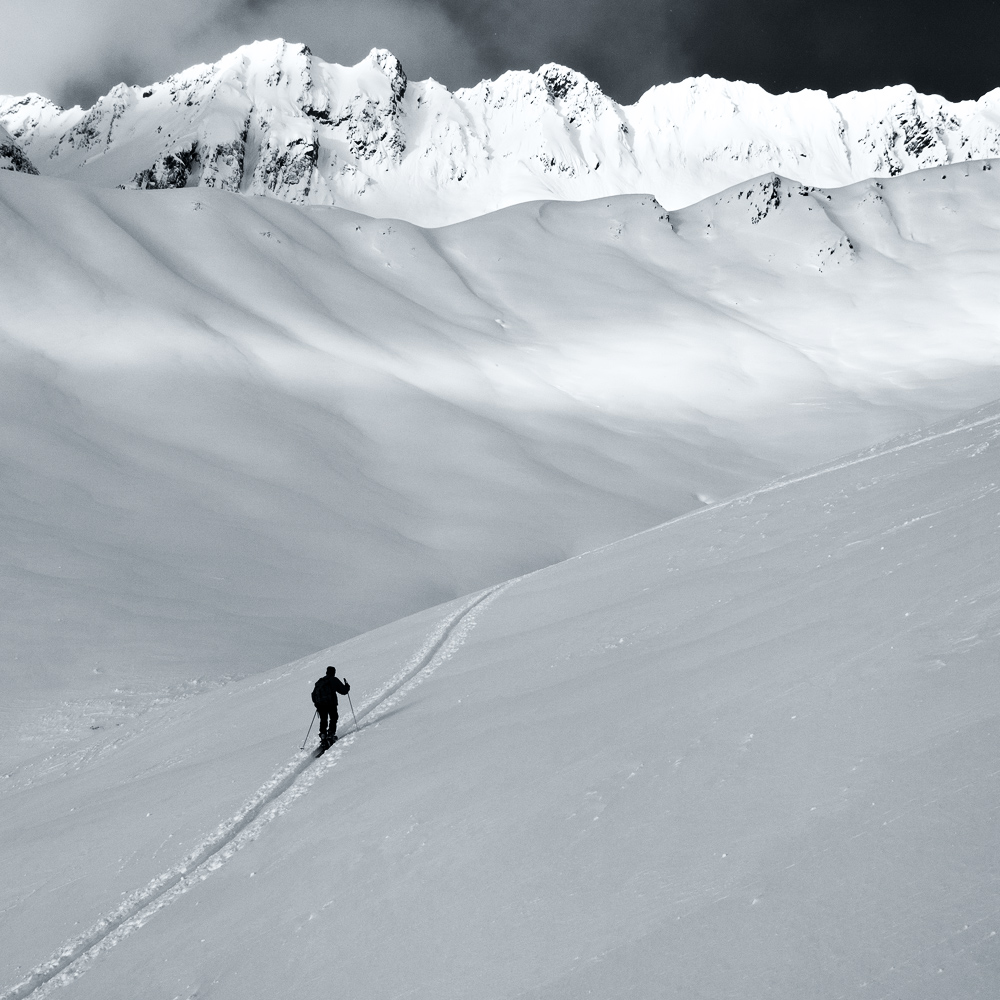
<point x="271" y="800"/>
<point x="272" y="119"/>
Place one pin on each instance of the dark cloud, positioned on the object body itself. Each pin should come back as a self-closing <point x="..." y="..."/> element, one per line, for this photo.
<point x="76" y="49"/>
<point x="625" y="47"/>
<point x="781" y="44"/>
<point x="949" y="49"/>
<point x="92" y="81"/>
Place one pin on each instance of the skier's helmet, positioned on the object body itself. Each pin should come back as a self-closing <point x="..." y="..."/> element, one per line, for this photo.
<point x="330" y="671"/>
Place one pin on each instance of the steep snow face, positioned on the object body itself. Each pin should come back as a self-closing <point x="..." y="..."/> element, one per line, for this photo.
<point x="234" y="430"/>
<point x="272" y="119"/>
<point x="749" y="753"/>
<point x="12" y="156"/>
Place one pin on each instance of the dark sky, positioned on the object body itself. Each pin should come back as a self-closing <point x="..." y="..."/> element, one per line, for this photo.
<point x="73" y="50"/>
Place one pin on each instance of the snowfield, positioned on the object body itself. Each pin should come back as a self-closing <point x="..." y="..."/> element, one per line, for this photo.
<point x="235" y="430"/>
<point x="750" y="751"/>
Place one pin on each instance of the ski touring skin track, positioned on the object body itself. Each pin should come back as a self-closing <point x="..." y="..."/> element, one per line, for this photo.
<point x="271" y="800"/>
<point x="890" y="447"/>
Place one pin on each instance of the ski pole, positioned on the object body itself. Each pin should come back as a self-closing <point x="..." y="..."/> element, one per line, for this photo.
<point x="351" y="703"/>
<point x="309" y="730"/>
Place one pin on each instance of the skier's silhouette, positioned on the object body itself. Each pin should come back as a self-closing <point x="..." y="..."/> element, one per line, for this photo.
<point x="324" y="697"/>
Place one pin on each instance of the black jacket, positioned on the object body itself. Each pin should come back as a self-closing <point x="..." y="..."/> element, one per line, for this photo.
<point x="326" y="690"/>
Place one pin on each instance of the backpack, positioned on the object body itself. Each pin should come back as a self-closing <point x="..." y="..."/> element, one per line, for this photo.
<point x="319" y="693"/>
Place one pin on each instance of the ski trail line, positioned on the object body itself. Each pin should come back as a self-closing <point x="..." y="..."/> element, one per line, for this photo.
<point x="907" y="441"/>
<point x="271" y="800"/>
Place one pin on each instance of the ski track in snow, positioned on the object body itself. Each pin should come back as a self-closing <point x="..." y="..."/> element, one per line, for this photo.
<point x="271" y="800"/>
<point x="877" y="451"/>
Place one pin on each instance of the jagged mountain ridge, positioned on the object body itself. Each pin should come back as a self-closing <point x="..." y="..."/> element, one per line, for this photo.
<point x="273" y="119"/>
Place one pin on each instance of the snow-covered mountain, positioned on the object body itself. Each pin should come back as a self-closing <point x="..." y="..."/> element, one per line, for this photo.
<point x="272" y="119"/>
<point x="749" y="753"/>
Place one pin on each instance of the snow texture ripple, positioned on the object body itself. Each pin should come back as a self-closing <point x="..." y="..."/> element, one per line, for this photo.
<point x="271" y="800"/>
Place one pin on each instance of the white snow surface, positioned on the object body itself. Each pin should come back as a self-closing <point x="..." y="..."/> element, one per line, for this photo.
<point x="749" y="752"/>
<point x="272" y="119"/>
<point x="235" y="430"/>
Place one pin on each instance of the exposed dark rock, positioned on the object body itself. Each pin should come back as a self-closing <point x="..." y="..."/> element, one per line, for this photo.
<point x="12" y="158"/>
<point x="171" y="170"/>
<point x="558" y="82"/>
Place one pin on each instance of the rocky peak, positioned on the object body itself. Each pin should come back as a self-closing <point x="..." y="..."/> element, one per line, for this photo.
<point x="392" y="69"/>
<point x="560" y="81"/>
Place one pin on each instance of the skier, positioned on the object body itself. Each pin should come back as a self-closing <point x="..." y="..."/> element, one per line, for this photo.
<point x="324" y="696"/>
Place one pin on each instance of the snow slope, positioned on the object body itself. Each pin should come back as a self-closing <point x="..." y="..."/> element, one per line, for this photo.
<point x="751" y="751"/>
<point x="272" y="119"/>
<point x="235" y="430"/>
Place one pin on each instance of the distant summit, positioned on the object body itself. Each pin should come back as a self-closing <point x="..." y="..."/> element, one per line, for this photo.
<point x="272" y="119"/>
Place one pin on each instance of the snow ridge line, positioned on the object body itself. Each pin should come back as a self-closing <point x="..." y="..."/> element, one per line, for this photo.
<point x="272" y="799"/>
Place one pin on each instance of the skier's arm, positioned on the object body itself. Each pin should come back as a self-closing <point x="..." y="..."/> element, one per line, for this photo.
<point x="342" y="686"/>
